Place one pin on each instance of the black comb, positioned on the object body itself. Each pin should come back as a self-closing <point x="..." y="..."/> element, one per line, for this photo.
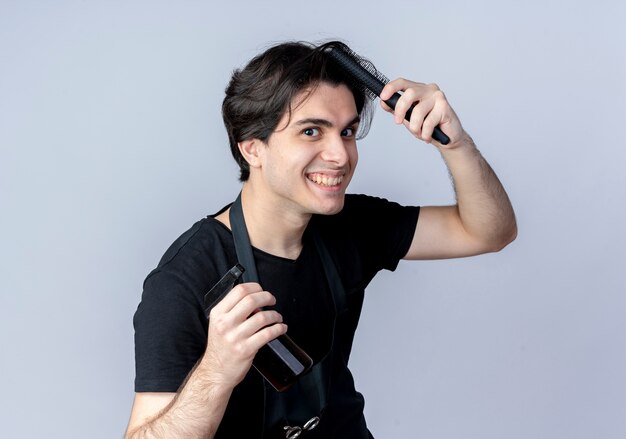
<point x="371" y="80"/>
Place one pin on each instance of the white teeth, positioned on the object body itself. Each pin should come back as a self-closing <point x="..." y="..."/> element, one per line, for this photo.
<point x="325" y="180"/>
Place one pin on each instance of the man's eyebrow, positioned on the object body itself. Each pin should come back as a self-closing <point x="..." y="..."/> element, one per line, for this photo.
<point x="323" y="122"/>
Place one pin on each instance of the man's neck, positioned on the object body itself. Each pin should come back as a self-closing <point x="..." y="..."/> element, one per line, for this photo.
<point x="272" y="226"/>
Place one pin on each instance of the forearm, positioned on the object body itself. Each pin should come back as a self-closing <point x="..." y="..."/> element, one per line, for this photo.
<point x="484" y="208"/>
<point x="195" y="412"/>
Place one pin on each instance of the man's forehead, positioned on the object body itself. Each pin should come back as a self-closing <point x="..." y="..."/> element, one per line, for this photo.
<point x="320" y="89"/>
<point x="323" y="102"/>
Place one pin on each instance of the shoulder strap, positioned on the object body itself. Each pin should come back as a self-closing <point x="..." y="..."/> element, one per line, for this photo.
<point x="332" y="276"/>
<point x="242" y="241"/>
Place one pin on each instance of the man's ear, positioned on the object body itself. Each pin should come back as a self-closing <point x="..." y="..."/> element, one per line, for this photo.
<point x="250" y="150"/>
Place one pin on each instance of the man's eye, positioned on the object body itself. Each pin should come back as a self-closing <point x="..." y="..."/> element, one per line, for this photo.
<point x="311" y="132"/>
<point x="348" y="132"/>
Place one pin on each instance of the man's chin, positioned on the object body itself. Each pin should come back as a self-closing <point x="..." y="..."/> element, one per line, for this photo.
<point x="333" y="209"/>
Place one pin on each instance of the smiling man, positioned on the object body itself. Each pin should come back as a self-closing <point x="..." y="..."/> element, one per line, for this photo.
<point x="292" y="119"/>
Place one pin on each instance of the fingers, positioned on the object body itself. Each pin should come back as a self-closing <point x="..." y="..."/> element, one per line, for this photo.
<point x="240" y="316"/>
<point x="426" y="103"/>
<point x="258" y="321"/>
<point x="251" y="303"/>
<point x="402" y="87"/>
<point x="386" y="107"/>
<point x="236" y="295"/>
<point x="247" y="337"/>
<point x="423" y="105"/>
<point x="434" y="118"/>
<point x="238" y="327"/>
<point x="395" y="86"/>
<point x="267" y="334"/>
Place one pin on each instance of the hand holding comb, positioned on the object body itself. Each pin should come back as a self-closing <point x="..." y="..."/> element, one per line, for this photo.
<point x="371" y="80"/>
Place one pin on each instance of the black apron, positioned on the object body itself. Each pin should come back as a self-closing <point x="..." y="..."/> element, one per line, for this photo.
<point x="297" y="411"/>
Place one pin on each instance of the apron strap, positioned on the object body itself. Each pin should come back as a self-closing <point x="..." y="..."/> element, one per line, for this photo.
<point x="243" y="248"/>
<point x="332" y="276"/>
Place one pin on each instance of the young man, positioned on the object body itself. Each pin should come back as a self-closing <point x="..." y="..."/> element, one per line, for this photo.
<point x="292" y="118"/>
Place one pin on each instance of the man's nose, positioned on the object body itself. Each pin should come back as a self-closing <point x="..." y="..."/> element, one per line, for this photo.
<point x="335" y="150"/>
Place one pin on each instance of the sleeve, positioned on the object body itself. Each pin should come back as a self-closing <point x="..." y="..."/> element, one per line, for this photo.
<point x="170" y="333"/>
<point x="381" y="230"/>
<point x="387" y="228"/>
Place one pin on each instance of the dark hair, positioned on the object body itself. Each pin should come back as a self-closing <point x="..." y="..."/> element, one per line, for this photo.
<point x="258" y="95"/>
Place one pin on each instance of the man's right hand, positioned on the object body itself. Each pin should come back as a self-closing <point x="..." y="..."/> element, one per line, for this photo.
<point x="238" y="328"/>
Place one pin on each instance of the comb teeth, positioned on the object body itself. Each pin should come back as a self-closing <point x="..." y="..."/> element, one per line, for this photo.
<point x="362" y="71"/>
<point x="367" y="65"/>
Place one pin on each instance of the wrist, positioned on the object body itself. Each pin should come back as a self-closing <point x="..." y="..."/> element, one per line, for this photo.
<point x="211" y="377"/>
<point x="464" y="141"/>
<point x="462" y="147"/>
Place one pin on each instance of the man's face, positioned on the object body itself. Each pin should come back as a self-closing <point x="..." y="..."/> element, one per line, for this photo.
<point x="309" y="160"/>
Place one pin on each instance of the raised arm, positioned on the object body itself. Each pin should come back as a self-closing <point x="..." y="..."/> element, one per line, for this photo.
<point x="236" y="332"/>
<point x="482" y="220"/>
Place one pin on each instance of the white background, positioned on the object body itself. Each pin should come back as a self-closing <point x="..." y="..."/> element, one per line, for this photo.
<point x="112" y="145"/>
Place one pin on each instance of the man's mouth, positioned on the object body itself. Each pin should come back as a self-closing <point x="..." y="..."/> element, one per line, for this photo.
<point x="325" y="180"/>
